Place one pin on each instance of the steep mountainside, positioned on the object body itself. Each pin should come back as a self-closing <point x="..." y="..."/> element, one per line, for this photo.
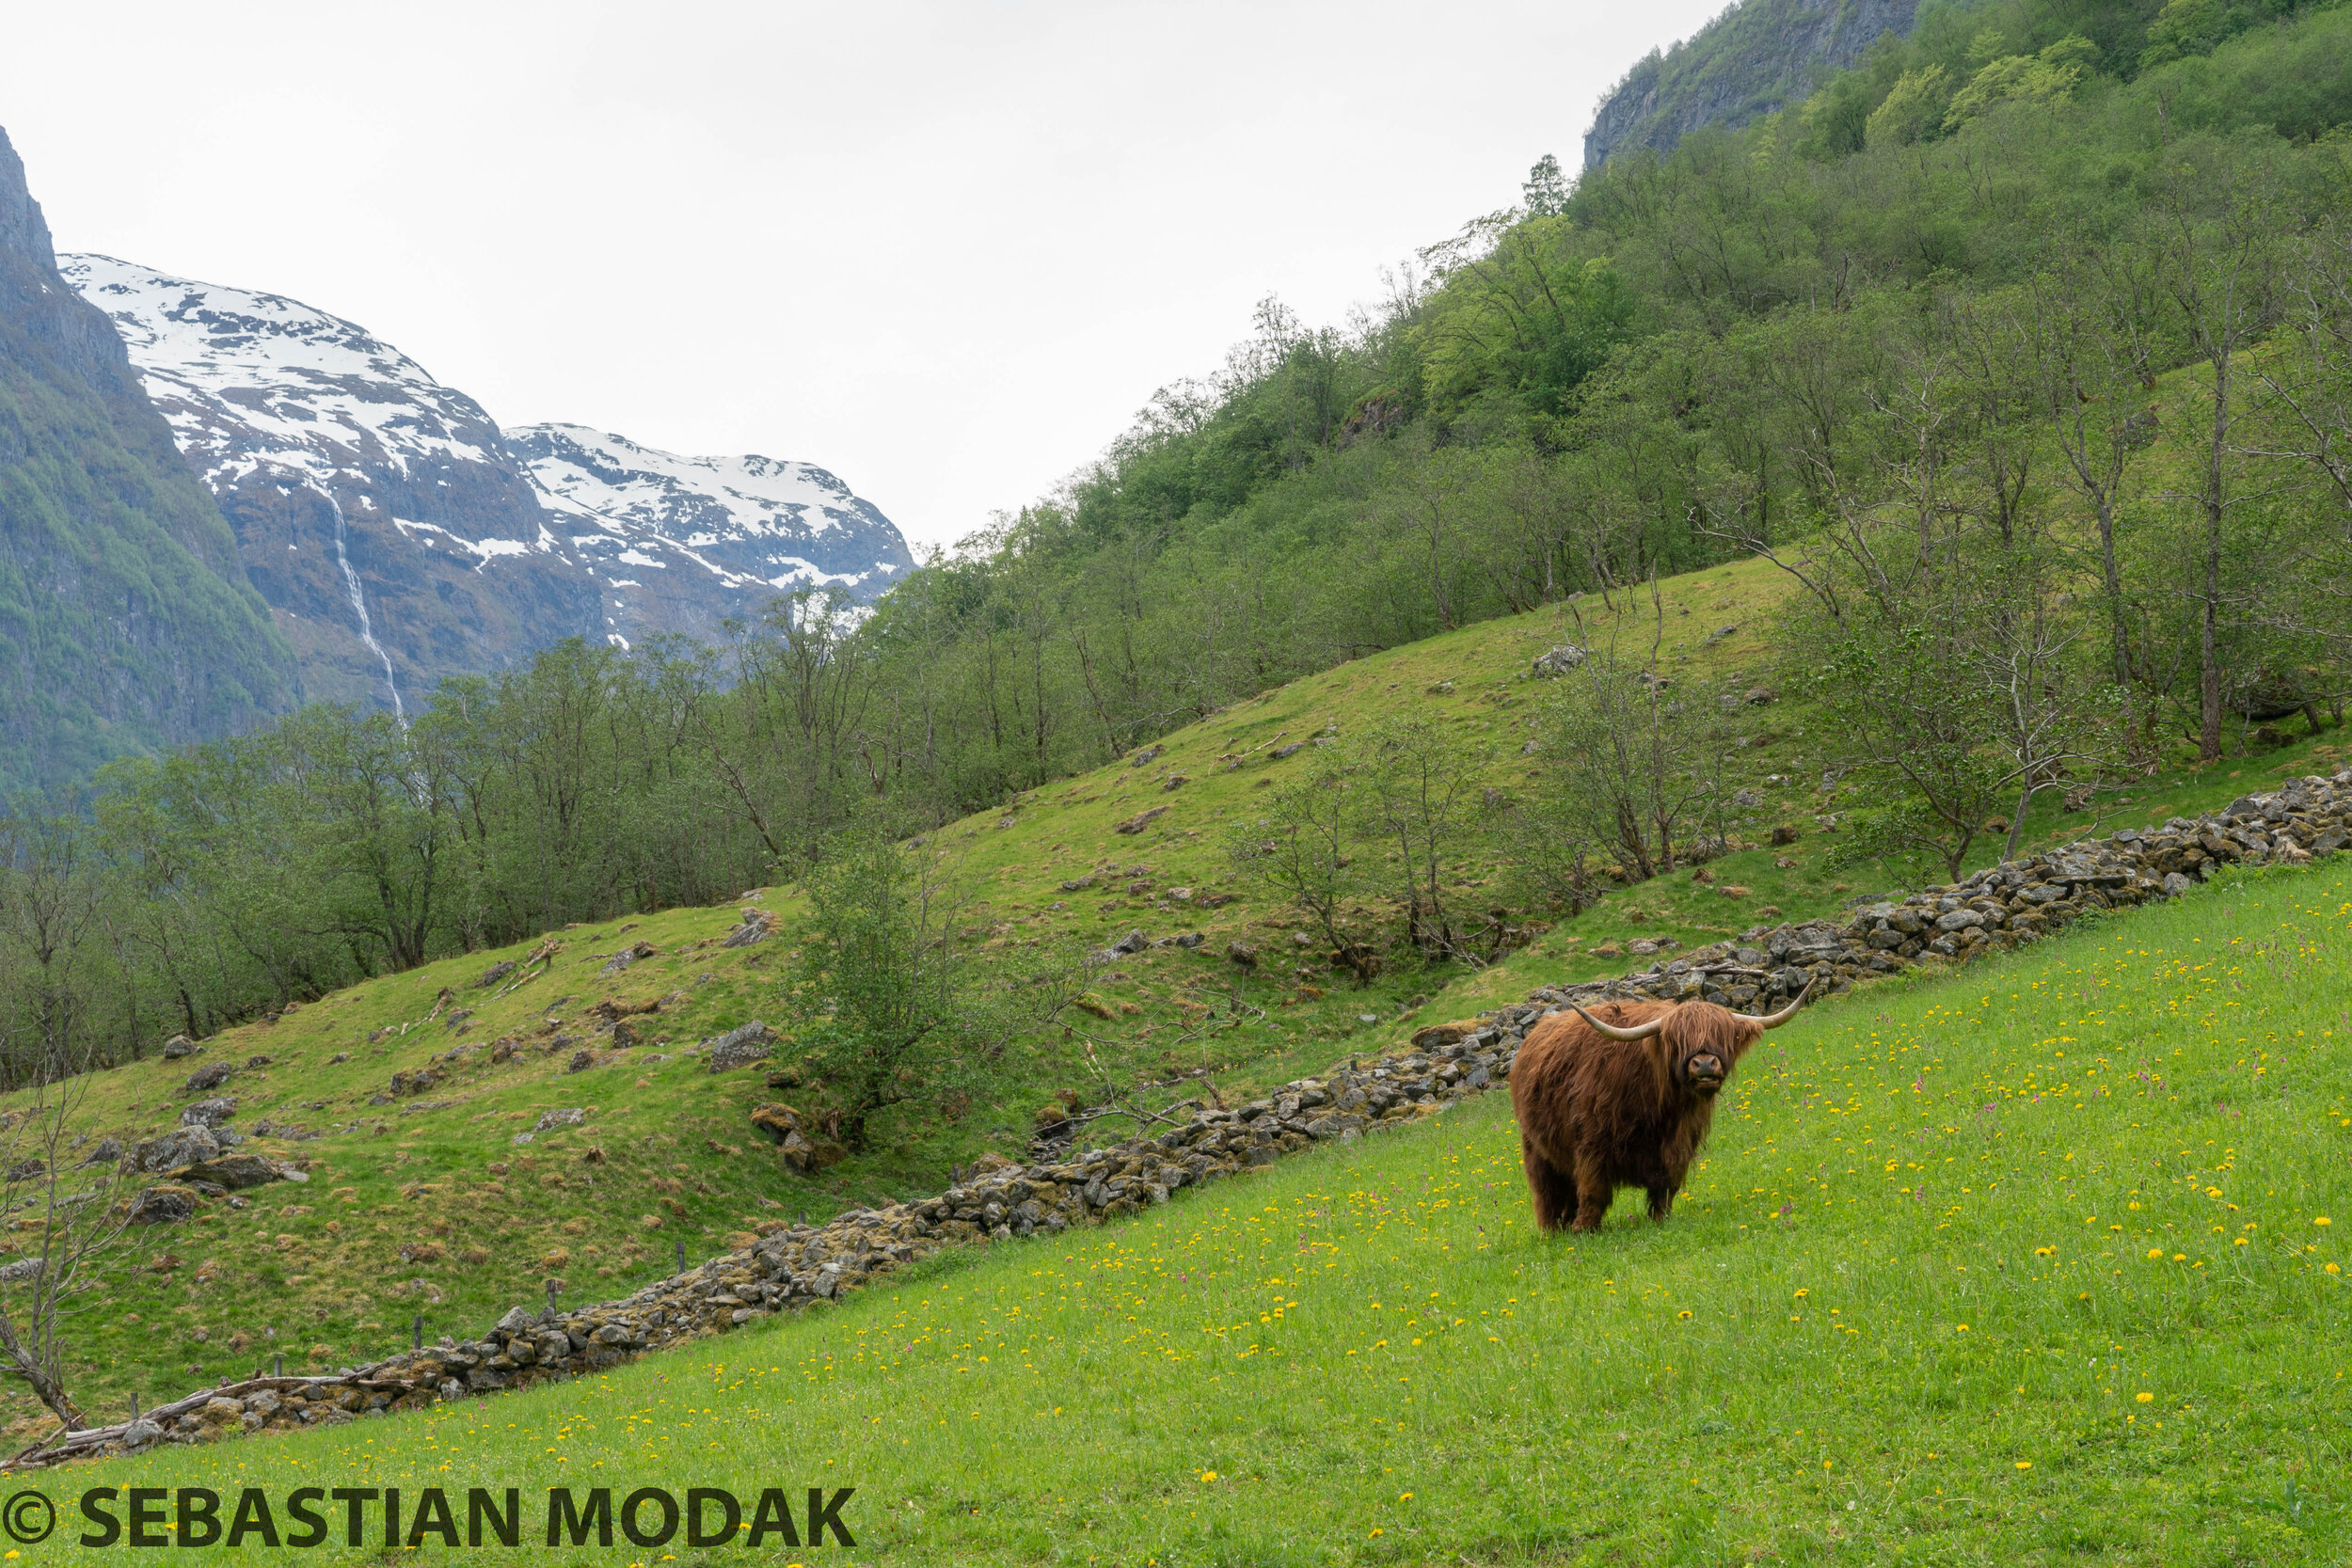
<point x="682" y="542"/>
<point x="1747" y="63"/>
<point x="125" y="620"/>
<point x="379" y="512"/>
<point x="400" y="536"/>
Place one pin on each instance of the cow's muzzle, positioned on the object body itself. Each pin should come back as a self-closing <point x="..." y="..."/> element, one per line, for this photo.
<point x="1705" y="1075"/>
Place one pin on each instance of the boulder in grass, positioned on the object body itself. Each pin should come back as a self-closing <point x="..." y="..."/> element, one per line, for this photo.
<point x="752" y="1042"/>
<point x="177" y="1047"/>
<point x="235" y="1172"/>
<point x="776" y="1121"/>
<point x="807" y="1156"/>
<point x="205" y="1080"/>
<point x="186" y="1146"/>
<point x="755" y="929"/>
<point x="209" y="1112"/>
<point x="625" y="958"/>
<point x="163" y="1205"/>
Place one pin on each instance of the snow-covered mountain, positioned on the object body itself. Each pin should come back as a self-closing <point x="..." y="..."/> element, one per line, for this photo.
<point x="399" y="535"/>
<point x="658" y="527"/>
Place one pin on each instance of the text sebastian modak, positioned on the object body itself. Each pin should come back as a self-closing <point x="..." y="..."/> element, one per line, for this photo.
<point x="477" y="1516"/>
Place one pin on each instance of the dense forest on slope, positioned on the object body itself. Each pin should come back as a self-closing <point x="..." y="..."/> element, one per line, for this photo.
<point x="2024" y="354"/>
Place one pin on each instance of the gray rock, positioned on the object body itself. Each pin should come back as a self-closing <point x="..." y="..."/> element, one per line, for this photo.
<point x="741" y="1047"/>
<point x="628" y="955"/>
<point x="571" y="1116"/>
<point x="177" y="1047"/>
<point x="207" y="1078"/>
<point x="755" y="929"/>
<point x="235" y="1173"/>
<point x="186" y="1146"/>
<point x="163" y="1206"/>
<point x="1557" y="661"/>
<point x="106" y="1152"/>
<point x="209" y="1112"/>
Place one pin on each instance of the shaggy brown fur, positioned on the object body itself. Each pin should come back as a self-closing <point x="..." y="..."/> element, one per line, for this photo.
<point x="1598" y="1114"/>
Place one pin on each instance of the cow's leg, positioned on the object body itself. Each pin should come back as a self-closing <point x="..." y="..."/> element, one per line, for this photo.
<point x="1594" y="1187"/>
<point x="1554" y="1197"/>
<point x="1674" y="1162"/>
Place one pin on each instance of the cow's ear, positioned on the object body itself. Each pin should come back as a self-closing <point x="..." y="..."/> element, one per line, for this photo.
<point x="1750" y="1031"/>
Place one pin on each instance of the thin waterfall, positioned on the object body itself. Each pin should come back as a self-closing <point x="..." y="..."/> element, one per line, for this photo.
<point x="360" y="605"/>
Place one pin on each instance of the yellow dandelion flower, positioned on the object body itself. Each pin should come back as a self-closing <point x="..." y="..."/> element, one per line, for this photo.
<point x="1960" y="1328"/>
<point x="2025" y="1463"/>
<point x="2322" y="1220"/>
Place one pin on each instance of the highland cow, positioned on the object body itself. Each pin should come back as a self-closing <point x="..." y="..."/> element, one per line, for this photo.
<point x="1622" y="1097"/>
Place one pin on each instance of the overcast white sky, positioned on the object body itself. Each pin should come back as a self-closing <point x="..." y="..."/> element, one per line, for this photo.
<point x="944" y="250"/>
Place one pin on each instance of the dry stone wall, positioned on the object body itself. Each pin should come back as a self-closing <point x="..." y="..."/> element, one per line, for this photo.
<point x="1992" y="910"/>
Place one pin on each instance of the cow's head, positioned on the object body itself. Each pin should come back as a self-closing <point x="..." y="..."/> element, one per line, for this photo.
<point x="1700" y="1041"/>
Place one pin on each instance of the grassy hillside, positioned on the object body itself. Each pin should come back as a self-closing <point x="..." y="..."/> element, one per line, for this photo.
<point x="2034" y="1262"/>
<point x="424" y="1204"/>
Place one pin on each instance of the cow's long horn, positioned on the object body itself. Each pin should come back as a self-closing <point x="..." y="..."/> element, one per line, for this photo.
<point x="1773" y="1021"/>
<point x="1639" y="1032"/>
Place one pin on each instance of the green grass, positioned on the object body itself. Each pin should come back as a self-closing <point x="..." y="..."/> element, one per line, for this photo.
<point x="2028" y="1262"/>
<point x="315" y="1273"/>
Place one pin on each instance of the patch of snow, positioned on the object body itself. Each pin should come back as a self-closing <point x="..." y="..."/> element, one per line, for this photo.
<point x="249" y="380"/>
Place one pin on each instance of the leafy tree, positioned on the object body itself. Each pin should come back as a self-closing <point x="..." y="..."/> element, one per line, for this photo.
<point x="1301" y="845"/>
<point x="1631" y="761"/>
<point x="1546" y="193"/>
<point x="1914" y="108"/>
<point x="1418" y="794"/>
<point x="895" y="1008"/>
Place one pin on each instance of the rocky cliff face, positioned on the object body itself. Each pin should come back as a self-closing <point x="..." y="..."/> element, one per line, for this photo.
<point x="1756" y="58"/>
<point x="126" y="622"/>
<point x="399" y="535"/>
